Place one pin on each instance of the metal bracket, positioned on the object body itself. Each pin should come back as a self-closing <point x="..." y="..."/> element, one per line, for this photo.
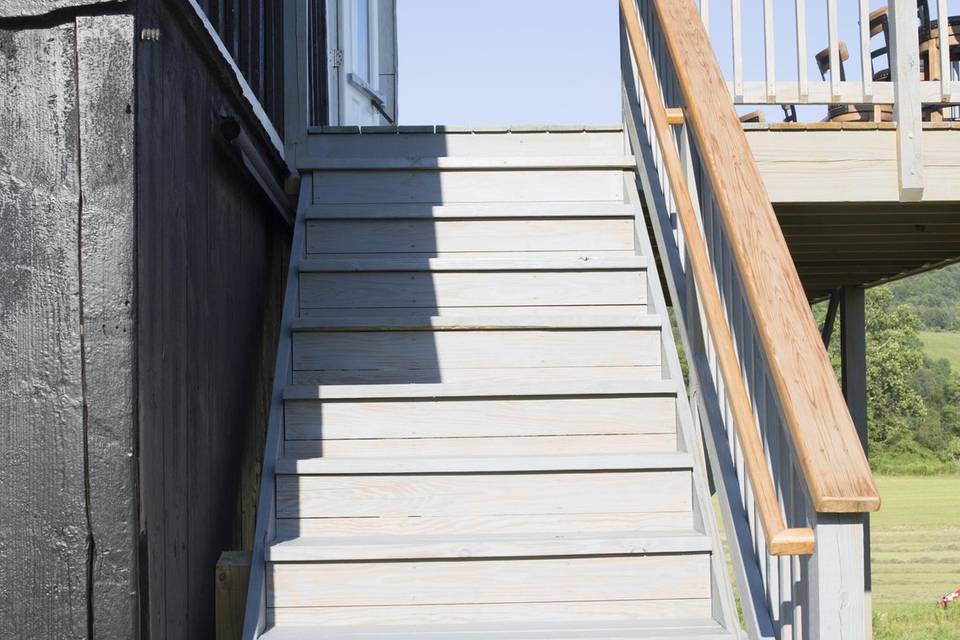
<point x="335" y="58"/>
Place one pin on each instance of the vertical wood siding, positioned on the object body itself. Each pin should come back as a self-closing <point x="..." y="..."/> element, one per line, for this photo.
<point x="252" y="31"/>
<point x="211" y="254"/>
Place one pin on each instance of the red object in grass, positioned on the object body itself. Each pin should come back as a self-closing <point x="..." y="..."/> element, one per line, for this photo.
<point x="947" y="599"/>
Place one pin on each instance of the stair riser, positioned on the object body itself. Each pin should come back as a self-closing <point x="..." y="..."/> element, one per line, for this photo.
<point x="521" y="426"/>
<point x="436" y="352"/>
<point x="480" y="525"/>
<point x="432" y="447"/>
<point x="459" y="582"/>
<point x="429" y="291"/>
<point x="680" y="609"/>
<point x="439" y="237"/>
<point x="540" y="144"/>
<point x="443" y="187"/>
<point x="446" y="498"/>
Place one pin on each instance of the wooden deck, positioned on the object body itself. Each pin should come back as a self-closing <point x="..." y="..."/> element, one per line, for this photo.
<point x="835" y="191"/>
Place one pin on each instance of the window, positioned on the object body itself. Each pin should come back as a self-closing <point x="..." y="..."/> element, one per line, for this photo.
<point x="361" y="38"/>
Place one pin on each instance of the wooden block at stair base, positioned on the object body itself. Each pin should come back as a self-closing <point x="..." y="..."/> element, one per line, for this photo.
<point x="233" y="570"/>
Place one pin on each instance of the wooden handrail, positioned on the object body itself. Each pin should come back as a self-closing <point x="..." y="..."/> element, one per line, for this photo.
<point x="831" y="458"/>
<point x="780" y="539"/>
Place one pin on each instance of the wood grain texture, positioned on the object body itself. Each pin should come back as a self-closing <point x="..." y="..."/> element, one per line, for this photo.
<point x="478" y="418"/>
<point x="434" y="187"/>
<point x="442" y="236"/>
<point x="44" y="578"/>
<point x="490" y="582"/>
<point x="554" y="496"/>
<point x="105" y="51"/>
<point x="502" y="524"/>
<point x="712" y="307"/>
<point x="427" y="290"/>
<point x="835" y="468"/>
<point x="31" y="8"/>
<point x="548" y="612"/>
<point x="438" y="351"/>
<point x="211" y="260"/>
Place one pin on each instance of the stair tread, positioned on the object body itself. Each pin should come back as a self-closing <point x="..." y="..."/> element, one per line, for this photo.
<point x="483" y="464"/>
<point x="522" y="386"/>
<point x="576" y="263"/>
<point x="470" y="210"/>
<point x="467" y="162"/>
<point x="326" y="548"/>
<point x="465" y="319"/>
<point x="680" y="629"/>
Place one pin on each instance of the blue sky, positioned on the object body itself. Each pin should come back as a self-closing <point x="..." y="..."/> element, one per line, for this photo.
<point x="557" y="61"/>
<point x="508" y="61"/>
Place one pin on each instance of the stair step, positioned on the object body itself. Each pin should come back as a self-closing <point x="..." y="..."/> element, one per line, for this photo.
<point x="680" y="629"/>
<point x="482" y="210"/>
<point x="472" y="320"/>
<point x="470" y="185"/>
<point x="329" y="549"/>
<point x="475" y="163"/>
<point x="522" y="386"/>
<point x="478" y="464"/>
<point x="435" y="265"/>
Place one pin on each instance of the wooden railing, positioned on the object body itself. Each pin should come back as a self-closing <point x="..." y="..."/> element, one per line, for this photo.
<point x="867" y="73"/>
<point x="786" y="457"/>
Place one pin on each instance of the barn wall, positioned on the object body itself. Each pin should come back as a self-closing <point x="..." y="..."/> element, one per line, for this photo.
<point x="211" y="258"/>
<point x="68" y="522"/>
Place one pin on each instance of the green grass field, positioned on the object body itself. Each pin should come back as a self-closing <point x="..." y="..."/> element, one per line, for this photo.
<point x="916" y="557"/>
<point x="942" y="344"/>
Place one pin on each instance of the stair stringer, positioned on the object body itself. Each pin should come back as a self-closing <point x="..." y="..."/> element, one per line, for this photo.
<point x="690" y="438"/>
<point x="255" y="611"/>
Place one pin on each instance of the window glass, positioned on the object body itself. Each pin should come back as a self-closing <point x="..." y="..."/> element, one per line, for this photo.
<point x="361" y="38"/>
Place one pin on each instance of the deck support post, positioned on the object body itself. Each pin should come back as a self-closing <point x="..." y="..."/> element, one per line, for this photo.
<point x="907" y="108"/>
<point x="853" y="359"/>
<point x="838" y="602"/>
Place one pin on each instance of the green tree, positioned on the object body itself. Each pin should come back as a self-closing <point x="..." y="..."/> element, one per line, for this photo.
<point x="894" y="356"/>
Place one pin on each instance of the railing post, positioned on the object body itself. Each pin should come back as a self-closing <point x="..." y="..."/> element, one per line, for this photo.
<point x="837" y="599"/>
<point x="295" y="78"/>
<point x="907" y="108"/>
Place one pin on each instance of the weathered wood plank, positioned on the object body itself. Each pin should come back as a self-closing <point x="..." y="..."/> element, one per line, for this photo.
<point x="29" y="8"/>
<point x="441" y="236"/>
<point x="440" y="350"/>
<point x="603" y="611"/>
<point x="345" y="187"/>
<point x="469" y="524"/>
<point x="478" y="418"/>
<point x="107" y="244"/>
<point x="233" y="569"/>
<point x="552" y="495"/>
<point x="494" y="581"/>
<point x="44" y="577"/>
<point x="451" y="289"/>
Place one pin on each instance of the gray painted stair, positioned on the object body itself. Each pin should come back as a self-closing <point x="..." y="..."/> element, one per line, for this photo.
<point x="484" y="432"/>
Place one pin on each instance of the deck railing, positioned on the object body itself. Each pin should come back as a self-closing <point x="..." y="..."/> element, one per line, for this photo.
<point x="786" y="458"/>
<point x="887" y="42"/>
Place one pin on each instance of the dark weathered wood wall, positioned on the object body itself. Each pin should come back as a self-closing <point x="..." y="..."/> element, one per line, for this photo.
<point x="140" y="275"/>
<point x="68" y="523"/>
<point x="212" y="255"/>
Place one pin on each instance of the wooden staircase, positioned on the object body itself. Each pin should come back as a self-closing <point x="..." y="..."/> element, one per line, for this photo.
<point x="485" y="432"/>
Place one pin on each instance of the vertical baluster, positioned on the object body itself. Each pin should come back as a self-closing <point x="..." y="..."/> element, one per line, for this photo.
<point x="865" y="66"/>
<point x="771" y="440"/>
<point x="832" y="29"/>
<point x="943" y="29"/>
<point x="801" y="15"/>
<point x="786" y="563"/>
<point x="770" y="63"/>
<point x="737" y="24"/>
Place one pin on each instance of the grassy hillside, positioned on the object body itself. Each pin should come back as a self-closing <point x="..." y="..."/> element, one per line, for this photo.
<point x="942" y="344"/>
